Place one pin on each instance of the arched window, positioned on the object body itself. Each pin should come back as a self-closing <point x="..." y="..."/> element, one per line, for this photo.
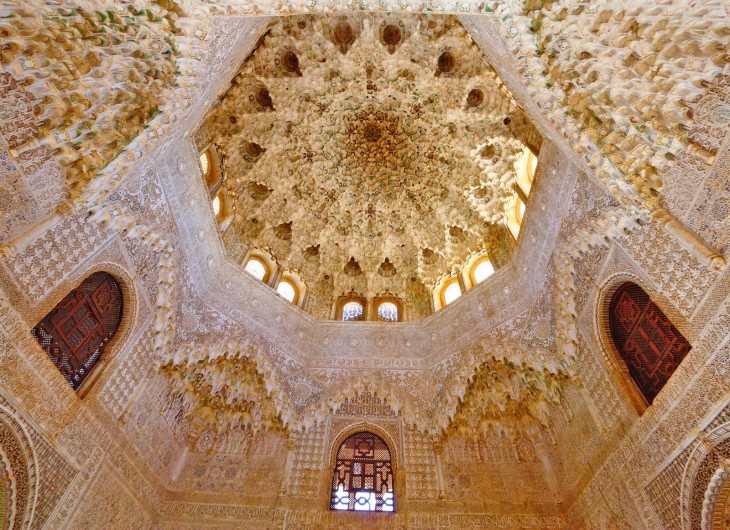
<point x="76" y="331"/>
<point x="223" y="205"/>
<point x="210" y="165"/>
<point x="525" y="168"/>
<point x="446" y="290"/>
<point x="482" y="270"/>
<point x="515" y="214"/>
<point x="363" y="475"/>
<point x="256" y="268"/>
<point x="287" y="290"/>
<point x="351" y="307"/>
<point x="646" y="339"/>
<point x="352" y="311"/>
<point x="205" y="165"/>
<point x="452" y="291"/>
<point x="388" y="312"/>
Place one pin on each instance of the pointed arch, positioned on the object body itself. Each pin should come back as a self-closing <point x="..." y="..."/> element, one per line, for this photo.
<point x="76" y="331"/>
<point x="646" y="339"/>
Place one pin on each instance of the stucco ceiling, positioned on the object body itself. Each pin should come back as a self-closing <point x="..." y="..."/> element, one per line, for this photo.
<point x="368" y="153"/>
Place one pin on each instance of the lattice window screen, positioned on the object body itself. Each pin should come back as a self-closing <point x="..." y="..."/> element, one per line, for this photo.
<point x="363" y="476"/>
<point x="646" y="339"/>
<point x="75" y="332"/>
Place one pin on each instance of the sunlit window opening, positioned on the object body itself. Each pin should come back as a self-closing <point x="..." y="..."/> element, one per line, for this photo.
<point x="388" y="312"/>
<point x="286" y="290"/>
<point x="483" y="270"/>
<point x="365" y="501"/>
<point x="217" y="205"/>
<point x="256" y="269"/>
<point x="515" y="215"/>
<point x="352" y="311"/>
<point x="363" y="476"/>
<point x="525" y="168"/>
<point x="205" y="163"/>
<point x="452" y="292"/>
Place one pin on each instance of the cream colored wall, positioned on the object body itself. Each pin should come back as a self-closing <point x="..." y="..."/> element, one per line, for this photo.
<point x="125" y="454"/>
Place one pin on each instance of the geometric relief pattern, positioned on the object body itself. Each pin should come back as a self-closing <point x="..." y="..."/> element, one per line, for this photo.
<point x="646" y="339"/>
<point x="75" y="332"/>
<point x="363" y="477"/>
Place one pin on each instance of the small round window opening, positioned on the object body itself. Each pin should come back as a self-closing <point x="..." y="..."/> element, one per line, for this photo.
<point x="256" y="269"/>
<point x="352" y="311"/>
<point x="388" y="312"/>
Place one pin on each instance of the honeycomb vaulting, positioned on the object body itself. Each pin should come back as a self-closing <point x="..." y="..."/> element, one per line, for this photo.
<point x="367" y="152"/>
<point x="369" y="149"/>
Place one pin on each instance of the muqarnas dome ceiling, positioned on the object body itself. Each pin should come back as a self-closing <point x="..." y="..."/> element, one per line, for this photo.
<point x="370" y="154"/>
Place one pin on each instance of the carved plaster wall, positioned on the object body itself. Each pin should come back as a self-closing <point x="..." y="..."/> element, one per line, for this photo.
<point x="221" y="403"/>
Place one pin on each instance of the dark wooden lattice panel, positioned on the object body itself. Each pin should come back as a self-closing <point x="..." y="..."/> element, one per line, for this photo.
<point x="363" y="475"/>
<point x="75" y="332"/>
<point x="646" y="339"/>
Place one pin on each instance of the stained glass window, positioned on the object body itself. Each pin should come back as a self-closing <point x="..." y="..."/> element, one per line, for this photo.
<point x="646" y="339"/>
<point x="352" y="311"/>
<point x="76" y="331"/>
<point x="483" y="270"/>
<point x="452" y="292"/>
<point x="363" y="475"/>
<point x="286" y="290"/>
<point x="256" y="269"/>
<point x="388" y="312"/>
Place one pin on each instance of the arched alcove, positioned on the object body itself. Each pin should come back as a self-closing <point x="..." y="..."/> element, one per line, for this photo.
<point x="363" y="478"/>
<point x="76" y="331"/>
<point x="648" y="342"/>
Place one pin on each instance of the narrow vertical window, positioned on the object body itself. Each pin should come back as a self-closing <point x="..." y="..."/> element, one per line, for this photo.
<point x="363" y="475"/>
<point x="205" y="164"/>
<point x="646" y="339"/>
<point x="76" y="331"/>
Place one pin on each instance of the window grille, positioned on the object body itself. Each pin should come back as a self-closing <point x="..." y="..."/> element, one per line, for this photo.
<point x="646" y="339"/>
<point x="352" y="311"/>
<point x="76" y="331"/>
<point x="388" y="312"/>
<point x="363" y="475"/>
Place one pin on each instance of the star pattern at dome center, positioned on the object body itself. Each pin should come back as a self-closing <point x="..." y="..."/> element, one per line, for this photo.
<point x="374" y="141"/>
